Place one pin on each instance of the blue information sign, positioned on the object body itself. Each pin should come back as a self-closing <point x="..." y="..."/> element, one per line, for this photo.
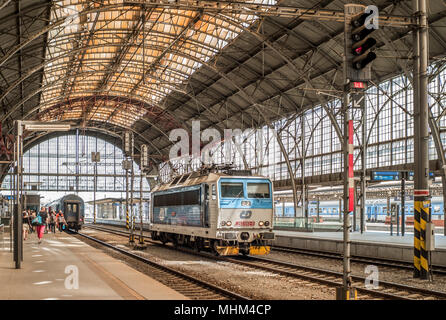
<point x="411" y="175"/>
<point x="385" y="176"/>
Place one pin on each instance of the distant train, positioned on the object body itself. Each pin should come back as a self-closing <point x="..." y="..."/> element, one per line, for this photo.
<point x="73" y="209"/>
<point x="227" y="214"/>
<point x="376" y="210"/>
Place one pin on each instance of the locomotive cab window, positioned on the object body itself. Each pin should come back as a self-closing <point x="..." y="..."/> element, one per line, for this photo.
<point x="258" y="190"/>
<point x="232" y="190"/>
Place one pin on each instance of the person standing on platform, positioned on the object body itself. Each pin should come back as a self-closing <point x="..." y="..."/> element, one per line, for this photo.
<point x="40" y="225"/>
<point x="52" y="220"/>
<point x="33" y="216"/>
<point x="60" y="220"/>
<point x="46" y="223"/>
<point x="30" y="218"/>
<point x="57" y="220"/>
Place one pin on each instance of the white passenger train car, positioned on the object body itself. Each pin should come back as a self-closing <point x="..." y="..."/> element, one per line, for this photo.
<point x="225" y="213"/>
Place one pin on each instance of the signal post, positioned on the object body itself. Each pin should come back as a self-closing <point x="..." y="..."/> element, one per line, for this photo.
<point x="358" y="54"/>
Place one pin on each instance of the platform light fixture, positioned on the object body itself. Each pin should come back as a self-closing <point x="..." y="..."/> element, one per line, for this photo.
<point x="46" y="126"/>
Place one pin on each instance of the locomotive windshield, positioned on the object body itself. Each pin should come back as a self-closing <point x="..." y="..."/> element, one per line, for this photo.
<point x="258" y="190"/>
<point x="232" y="190"/>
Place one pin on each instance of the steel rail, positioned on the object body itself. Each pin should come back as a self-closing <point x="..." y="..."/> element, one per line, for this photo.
<point x="358" y="259"/>
<point x="326" y="277"/>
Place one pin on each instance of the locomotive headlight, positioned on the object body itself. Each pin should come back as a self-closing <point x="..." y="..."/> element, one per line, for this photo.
<point x="223" y="223"/>
<point x="260" y="223"/>
<point x="229" y="223"/>
<point x="266" y="223"/>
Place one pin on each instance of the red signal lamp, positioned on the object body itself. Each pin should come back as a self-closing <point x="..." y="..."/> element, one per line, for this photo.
<point x="362" y="46"/>
<point x="358" y="85"/>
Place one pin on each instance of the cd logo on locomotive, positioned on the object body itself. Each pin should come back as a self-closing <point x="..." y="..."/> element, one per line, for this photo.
<point x="245" y="214"/>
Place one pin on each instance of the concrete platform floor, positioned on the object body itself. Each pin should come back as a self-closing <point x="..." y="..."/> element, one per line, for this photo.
<point x="367" y="237"/>
<point x="49" y="272"/>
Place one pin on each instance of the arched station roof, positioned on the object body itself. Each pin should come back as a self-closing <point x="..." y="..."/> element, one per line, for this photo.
<point x="151" y="66"/>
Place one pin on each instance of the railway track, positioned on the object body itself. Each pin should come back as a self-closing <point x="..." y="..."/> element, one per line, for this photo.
<point x="188" y="286"/>
<point x="378" y="262"/>
<point x="386" y="290"/>
<point x="391" y="264"/>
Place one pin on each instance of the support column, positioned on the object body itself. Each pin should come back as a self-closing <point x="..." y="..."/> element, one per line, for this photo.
<point x="95" y="189"/>
<point x="421" y="151"/>
<point x="141" y="236"/>
<point x="363" y="168"/>
<point x="18" y="196"/>
<point x="443" y="181"/>
<point x="283" y="208"/>
<point x="305" y="198"/>
<point x="403" y="204"/>
<point x="340" y="209"/>
<point x="304" y="189"/>
<point x="127" y="221"/>
<point x="132" y="214"/>
<point x="347" y="191"/>
<point x="318" y="209"/>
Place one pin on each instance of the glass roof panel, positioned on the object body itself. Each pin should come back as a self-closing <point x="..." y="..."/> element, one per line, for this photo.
<point x="118" y="49"/>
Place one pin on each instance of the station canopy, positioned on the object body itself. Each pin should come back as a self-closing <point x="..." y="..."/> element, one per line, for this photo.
<point x="152" y="66"/>
<point x="108" y="55"/>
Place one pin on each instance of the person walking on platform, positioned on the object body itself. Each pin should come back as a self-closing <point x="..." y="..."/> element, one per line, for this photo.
<point x="40" y="222"/>
<point x="25" y="225"/>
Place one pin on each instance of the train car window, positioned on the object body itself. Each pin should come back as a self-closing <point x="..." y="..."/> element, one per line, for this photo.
<point x="436" y="208"/>
<point x="206" y="192"/>
<point x="232" y="190"/>
<point x="258" y="190"/>
<point x="335" y="210"/>
<point x="214" y="192"/>
<point x="177" y="199"/>
<point x="191" y="198"/>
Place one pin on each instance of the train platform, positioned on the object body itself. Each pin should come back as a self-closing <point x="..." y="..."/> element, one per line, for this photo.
<point x="65" y="268"/>
<point x="373" y="244"/>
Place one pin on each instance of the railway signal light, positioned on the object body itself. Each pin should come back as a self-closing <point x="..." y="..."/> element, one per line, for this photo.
<point x="362" y="43"/>
<point x="359" y="43"/>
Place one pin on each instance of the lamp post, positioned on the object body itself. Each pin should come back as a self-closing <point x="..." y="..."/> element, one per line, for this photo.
<point x="20" y="127"/>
